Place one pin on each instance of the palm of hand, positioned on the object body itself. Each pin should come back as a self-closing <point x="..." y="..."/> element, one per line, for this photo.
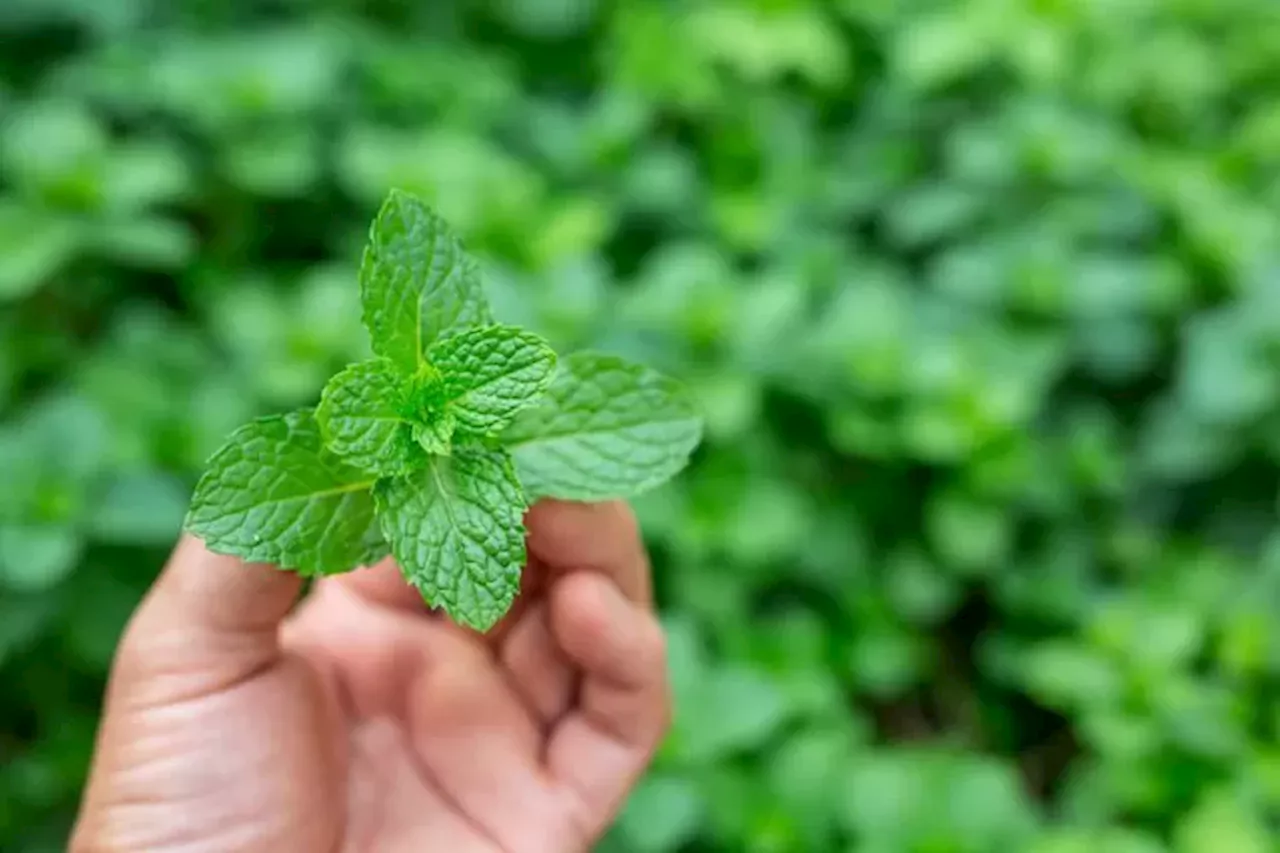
<point x="371" y="725"/>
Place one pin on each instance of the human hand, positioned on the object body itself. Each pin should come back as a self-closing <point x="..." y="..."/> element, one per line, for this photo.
<point x="364" y="722"/>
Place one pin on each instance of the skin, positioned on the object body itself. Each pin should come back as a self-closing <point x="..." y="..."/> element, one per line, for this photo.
<point x="360" y="721"/>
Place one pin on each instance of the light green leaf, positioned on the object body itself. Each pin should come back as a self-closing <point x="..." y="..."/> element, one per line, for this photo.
<point x="1221" y="823"/>
<point x="35" y="557"/>
<point x="805" y="772"/>
<point x="490" y="373"/>
<point x="1105" y="839"/>
<point x="362" y="417"/>
<point x="139" y="508"/>
<point x="734" y="708"/>
<point x="416" y="281"/>
<point x="151" y="242"/>
<point x="663" y="813"/>
<point x="33" y="247"/>
<point x="606" y="428"/>
<point x="274" y="494"/>
<point x="457" y="530"/>
<point x="436" y="436"/>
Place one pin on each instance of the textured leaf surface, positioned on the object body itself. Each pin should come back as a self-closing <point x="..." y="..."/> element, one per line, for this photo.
<point x="436" y="436"/>
<point x="457" y="530"/>
<point x="361" y="417"/>
<point x="490" y="373"/>
<point x="274" y="494"/>
<point x="606" y="428"/>
<point x="416" y="281"/>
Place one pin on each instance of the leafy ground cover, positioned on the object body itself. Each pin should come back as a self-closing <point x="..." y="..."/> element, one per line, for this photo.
<point x="980" y="302"/>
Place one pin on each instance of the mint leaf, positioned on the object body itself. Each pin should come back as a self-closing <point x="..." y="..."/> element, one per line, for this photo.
<point x="362" y="417"/>
<point x="274" y="494"/>
<point x="490" y="373"/>
<point x="416" y="282"/>
<point x="606" y="428"/>
<point x="436" y="436"/>
<point x="456" y="528"/>
<point x="421" y="451"/>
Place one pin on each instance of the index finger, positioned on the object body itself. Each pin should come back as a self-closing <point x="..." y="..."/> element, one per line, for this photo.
<point x="598" y="537"/>
<point x="564" y="537"/>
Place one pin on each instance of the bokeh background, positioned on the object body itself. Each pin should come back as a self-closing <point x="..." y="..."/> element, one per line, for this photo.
<point x="980" y="299"/>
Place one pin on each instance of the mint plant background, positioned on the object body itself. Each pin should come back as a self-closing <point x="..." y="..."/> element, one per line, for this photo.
<point x="979" y="300"/>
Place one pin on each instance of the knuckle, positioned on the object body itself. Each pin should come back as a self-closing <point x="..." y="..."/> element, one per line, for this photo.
<point x="652" y="646"/>
<point x="137" y="643"/>
<point x="595" y="629"/>
<point x="625" y="518"/>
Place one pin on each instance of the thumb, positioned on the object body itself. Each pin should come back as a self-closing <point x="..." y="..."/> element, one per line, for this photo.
<point x="203" y="715"/>
<point x="207" y="622"/>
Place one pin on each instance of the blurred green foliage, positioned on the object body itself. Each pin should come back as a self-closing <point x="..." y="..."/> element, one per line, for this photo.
<point x="981" y="300"/>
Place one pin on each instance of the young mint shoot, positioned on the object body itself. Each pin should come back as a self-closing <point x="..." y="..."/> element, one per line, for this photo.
<point x="433" y="450"/>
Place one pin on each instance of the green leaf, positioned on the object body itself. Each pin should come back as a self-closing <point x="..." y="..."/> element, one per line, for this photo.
<point x="139" y="508"/>
<point x="362" y="418"/>
<point x="490" y="373"/>
<point x="274" y="494"/>
<point x="663" y="813"/>
<point x="22" y="619"/>
<point x="33" y="247"/>
<point x="416" y="282"/>
<point x="804" y="775"/>
<point x="732" y="709"/>
<point x="1104" y="839"/>
<point x="457" y="530"/>
<point x="35" y="557"/>
<point x="151" y="242"/>
<point x="606" y="428"/>
<point x="436" y="436"/>
<point x="1221" y="823"/>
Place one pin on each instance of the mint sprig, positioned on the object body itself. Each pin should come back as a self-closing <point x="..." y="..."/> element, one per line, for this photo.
<point x="433" y="450"/>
